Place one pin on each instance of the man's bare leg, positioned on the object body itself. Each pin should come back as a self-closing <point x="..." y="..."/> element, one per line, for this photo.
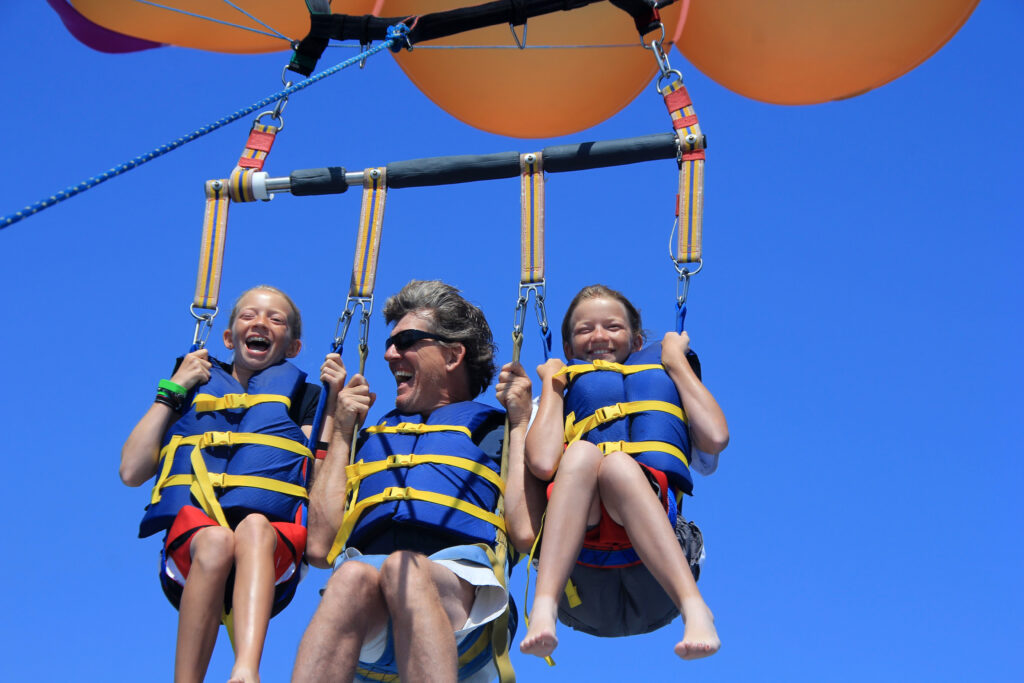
<point x="427" y="604"/>
<point x="627" y="495"/>
<point x="352" y="607"/>
<point x="255" y="541"/>
<point x="573" y="505"/>
<point x="202" y="601"/>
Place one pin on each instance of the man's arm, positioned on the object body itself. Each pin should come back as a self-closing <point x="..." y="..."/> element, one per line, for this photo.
<point x="141" y="451"/>
<point x="327" y="497"/>
<point x="709" y="431"/>
<point x="546" y="438"/>
<point x="525" y="497"/>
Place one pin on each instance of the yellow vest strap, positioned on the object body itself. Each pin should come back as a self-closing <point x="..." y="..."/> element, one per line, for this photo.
<point x="219" y="480"/>
<point x="417" y="428"/>
<point x="598" y="364"/>
<point x="207" y="403"/>
<point x="634" y="447"/>
<point x="360" y="470"/>
<point x="574" y="430"/>
<point x="213" y="439"/>
<point x="394" y="493"/>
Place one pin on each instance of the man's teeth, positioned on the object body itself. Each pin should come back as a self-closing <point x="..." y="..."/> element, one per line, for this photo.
<point x="402" y="375"/>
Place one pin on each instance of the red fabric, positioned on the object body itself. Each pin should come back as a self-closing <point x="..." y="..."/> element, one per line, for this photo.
<point x="608" y="535"/>
<point x="190" y="519"/>
<point x="691" y="156"/>
<point x="677" y="99"/>
<point x="684" y="122"/>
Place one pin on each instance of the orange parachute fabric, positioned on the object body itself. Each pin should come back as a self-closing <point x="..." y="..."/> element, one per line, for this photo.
<point x="783" y="51"/>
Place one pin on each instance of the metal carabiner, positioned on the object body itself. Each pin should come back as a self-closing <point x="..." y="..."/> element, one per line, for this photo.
<point x="199" y="337"/>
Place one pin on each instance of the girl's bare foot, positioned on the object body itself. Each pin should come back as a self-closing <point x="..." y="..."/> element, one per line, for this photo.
<point x="700" y="639"/>
<point x="243" y="675"/>
<point x="540" y="637"/>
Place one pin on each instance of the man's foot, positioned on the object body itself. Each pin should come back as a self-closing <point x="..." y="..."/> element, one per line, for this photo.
<point x="700" y="639"/>
<point x="540" y="637"/>
<point x="242" y="675"/>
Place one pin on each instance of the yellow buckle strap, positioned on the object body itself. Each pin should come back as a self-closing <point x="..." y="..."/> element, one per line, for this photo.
<point x="634" y="447"/>
<point x="598" y="364"/>
<point x="222" y="480"/>
<point x="396" y="493"/>
<point x="417" y="428"/>
<point x="216" y="439"/>
<point x="360" y="470"/>
<point x="575" y="430"/>
<point x="207" y="403"/>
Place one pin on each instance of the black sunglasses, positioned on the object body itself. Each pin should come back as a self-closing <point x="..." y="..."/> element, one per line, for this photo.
<point x="406" y="338"/>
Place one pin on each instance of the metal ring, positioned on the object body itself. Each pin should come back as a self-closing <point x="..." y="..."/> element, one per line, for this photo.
<point x="273" y="115"/>
<point x="669" y="72"/>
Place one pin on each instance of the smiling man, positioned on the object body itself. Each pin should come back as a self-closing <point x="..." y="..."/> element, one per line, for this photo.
<point x="410" y="529"/>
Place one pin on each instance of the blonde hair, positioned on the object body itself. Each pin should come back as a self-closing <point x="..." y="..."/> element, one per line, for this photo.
<point x="294" y="316"/>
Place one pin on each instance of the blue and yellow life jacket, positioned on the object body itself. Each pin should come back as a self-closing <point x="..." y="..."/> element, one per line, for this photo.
<point x="632" y="407"/>
<point x="234" y="452"/>
<point x="431" y="474"/>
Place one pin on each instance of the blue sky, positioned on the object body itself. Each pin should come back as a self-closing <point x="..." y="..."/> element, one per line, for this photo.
<point x="858" y="318"/>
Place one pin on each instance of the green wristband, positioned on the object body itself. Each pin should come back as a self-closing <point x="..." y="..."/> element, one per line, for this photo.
<point x="172" y="387"/>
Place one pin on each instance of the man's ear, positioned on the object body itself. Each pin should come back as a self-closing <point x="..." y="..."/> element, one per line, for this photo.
<point x="454" y="355"/>
<point x="293" y="348"/>
<point x="227" y="340"/>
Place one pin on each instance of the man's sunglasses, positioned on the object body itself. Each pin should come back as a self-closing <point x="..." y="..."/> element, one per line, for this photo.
<point x="406" y="338"/>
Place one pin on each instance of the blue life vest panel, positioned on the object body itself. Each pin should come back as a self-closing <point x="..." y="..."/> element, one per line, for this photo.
<point x="402" y="458"/>
<point x="253" y="453"/>
<point x="633" y="409"/>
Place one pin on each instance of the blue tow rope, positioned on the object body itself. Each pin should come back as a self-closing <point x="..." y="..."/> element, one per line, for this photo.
<point x="395" y="41"/>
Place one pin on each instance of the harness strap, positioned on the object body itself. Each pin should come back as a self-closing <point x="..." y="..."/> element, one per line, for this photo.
<point x="531" y="174"/>
<point x="398" y="493"/>
<point x="207" y="403"/>
<point x="360" y="470"/>
<point x="690" y="201"/>
<point x="575" y="430"/>
<point x="211" y="252"/>
<point x="257" y="147"/>
<point x="634" y="447"/>
<point x="212" y="439"/>
<point x="371" y="218"/>
<point x="573" y="370"/>
<point x="417" y="428"/>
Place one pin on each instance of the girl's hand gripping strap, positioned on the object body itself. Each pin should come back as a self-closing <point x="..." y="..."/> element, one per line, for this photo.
<point x="211" y="259"/>
<point x="531" y="278"/>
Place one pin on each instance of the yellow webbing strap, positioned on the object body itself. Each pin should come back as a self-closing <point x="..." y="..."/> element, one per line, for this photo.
<point x="531" y="174"/>
<point x="497" y="631"/>
<point x="598" y="364"/>
<point x="690" y="204"/>
<point x="417" y="428"/>
<point x="395" y="493"/>
<point x="358" y="471"/>
<point x="371" y="218"/>
<point x="634" y="447"/>
<point x="211" y="252"/>
<point x="204" y="403"/>
<point x="574" y="430"/>
<point x="210" y="439"/>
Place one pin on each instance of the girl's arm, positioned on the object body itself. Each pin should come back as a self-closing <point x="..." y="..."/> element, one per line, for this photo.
<point x="141" y="451"/>
<point x="525" y="497"/>
<point x="546" y="438"/>
<point x="709" y="431"/>
<point x="327" y="497"/>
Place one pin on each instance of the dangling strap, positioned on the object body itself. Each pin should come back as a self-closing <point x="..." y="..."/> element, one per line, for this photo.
<point x="690" y="202"/>
<point x="371" y="218"/>
<point x="257" y="147"/>
<point x="211" y="253"/>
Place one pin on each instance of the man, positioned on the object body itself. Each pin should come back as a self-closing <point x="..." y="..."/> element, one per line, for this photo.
<point x="415" y="582"/>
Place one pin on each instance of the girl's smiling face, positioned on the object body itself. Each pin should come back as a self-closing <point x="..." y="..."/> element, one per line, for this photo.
<point x="599" y="329"/>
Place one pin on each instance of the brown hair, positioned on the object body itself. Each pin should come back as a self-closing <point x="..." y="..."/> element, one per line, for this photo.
<point x="294" y="317"/>
<point x="452" y="316"/>
<point x="602" y="292"/>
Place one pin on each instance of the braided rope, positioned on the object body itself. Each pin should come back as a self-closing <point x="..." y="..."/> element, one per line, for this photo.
<point x="396" y="37"/>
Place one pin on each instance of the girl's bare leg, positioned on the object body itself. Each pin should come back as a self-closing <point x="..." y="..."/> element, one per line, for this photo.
<point x="255" y="541"/>
<point x="213" y="556"/>
<point x="573" y="505"/>
<point x="627" y="496"/>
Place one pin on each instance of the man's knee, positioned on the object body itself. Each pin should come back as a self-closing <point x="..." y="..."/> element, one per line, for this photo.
<point x="355" y="585"/>
<point x="213" y="549"/>
<point x="403" y="575"/>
